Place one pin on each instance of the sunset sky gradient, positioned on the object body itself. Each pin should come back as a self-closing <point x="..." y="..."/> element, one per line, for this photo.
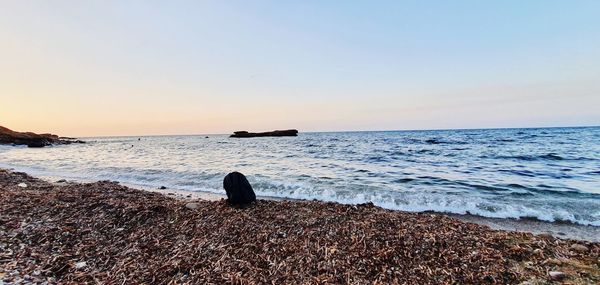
<point x="87" y="68"/>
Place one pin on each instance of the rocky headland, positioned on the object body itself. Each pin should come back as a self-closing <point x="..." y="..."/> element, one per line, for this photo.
<point x="8" y="136"/>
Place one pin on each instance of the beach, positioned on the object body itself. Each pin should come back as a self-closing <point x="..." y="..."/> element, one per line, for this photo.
<point x="104" y="232"/>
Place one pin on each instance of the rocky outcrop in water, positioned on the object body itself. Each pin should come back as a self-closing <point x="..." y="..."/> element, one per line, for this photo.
<point x="8" y="136"/>
<point x="277" y="133"/>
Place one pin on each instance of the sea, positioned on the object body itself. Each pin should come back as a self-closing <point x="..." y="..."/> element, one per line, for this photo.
<point x="548" y="174"/>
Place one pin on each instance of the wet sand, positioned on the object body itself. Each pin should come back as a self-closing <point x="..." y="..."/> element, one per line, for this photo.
<point x="104" y="232"/>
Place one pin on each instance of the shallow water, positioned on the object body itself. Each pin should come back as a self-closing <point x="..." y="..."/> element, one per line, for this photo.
<point x="548" y="174"/>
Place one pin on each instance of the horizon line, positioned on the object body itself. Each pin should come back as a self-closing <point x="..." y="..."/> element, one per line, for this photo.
<point x="354" y="131"/>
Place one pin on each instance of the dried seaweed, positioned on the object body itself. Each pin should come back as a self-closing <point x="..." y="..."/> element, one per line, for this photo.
<point x="106" y="233"/>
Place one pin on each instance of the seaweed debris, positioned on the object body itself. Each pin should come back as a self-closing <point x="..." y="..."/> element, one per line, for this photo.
<point x="107" y="233"/>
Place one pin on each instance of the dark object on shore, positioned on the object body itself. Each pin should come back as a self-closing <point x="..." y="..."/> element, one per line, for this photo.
<point x="238" y="189"/>
<point x="162" y="187"/>
<point x="8" y="136"/>
<point x="278" y="133"/>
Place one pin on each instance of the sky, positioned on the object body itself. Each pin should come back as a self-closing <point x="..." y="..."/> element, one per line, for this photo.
<point x="94" y="68"/>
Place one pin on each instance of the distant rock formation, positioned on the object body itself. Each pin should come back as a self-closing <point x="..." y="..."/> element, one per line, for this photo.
<point x="8" y="136"/>
<point x="278" y="133"/>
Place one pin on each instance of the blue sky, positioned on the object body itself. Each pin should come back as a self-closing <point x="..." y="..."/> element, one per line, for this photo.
<point x="177" y="67"/>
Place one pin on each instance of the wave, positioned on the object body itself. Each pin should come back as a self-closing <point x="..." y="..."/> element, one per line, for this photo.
<point x="379" y="158"/>
<point x="442" y="141"/>
<point x="538" y="157"/>
<point x="411" y="201"/>
<point x="539" y="173"/>
<point x="549" y="156"/>
<point x="505" y="140"/>
<point x="426" y="202"/>
<point x="403" y="180"/>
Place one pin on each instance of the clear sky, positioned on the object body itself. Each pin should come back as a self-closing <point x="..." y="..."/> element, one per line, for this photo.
<point x="83" y="68"/>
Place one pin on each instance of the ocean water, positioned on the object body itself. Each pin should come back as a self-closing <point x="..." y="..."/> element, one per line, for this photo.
<point x="548" y="174"/>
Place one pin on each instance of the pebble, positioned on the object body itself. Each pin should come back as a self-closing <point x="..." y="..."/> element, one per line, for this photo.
<point x="553" y="261"/>
<point x="556" y="275"/>
<point x="579" y="248"/>
<point x="192" y="206"/>
<point x="22" y="185"/>
<point x="80" y="264"/>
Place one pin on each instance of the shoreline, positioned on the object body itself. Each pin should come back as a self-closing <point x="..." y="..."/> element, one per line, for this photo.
<point x="107" y="232"/>
<point x="564" y="230"/>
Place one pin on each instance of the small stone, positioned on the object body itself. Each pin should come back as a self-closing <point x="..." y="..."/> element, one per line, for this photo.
<point x="80" y="264"/>
<point x="162" y="187"/>
<point x="192" y="206"/>
<point x="61" y="181"/>
<point x="579" y="248"/>
<point x="556" y="275"/>
<point x="553" y="261"/>
<point x="538" y="251"/>
<point x="22" y="185"/>
<point x="545" y="235"/>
